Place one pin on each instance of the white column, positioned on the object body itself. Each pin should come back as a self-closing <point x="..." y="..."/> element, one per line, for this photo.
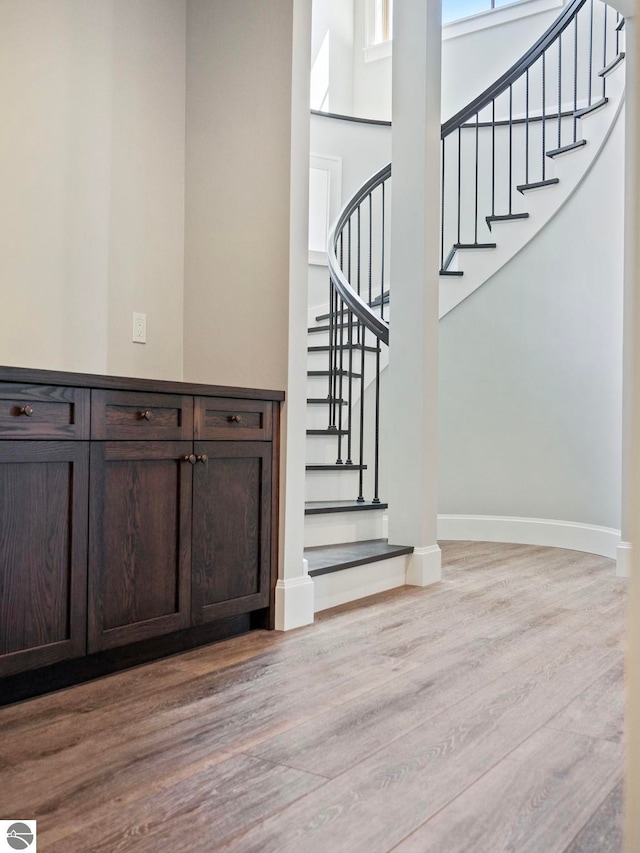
<point x="630" y="554"/>
<point x="294" y="590"/>
<point x="413" y="350"/>
<point x="632" y="400"/>
<point x="623" y="556"/>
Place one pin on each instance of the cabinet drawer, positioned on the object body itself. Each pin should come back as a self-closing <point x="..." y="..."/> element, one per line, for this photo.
<point x="132" y="416"/>
<point x="43" y="411"/>
<point x="222" y="418"/>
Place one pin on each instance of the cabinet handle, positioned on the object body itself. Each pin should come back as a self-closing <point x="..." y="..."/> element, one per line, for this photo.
<point x="235" y="419"/>
<point x="204" y="458"/>
<point x="25" y="410"/>
<point x="191" y="459"/>
<point x="145" y="416"/>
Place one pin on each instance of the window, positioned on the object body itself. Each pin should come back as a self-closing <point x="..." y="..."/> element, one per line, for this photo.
<point x="379" y="29"/>
<point x="383" y="21"/>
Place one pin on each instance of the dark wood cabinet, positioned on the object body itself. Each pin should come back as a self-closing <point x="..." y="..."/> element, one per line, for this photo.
<point x="43" y="552"/>
<point x="140" y="541"/>
<point x="130" y="509"/>
<point x="231" y="528"/>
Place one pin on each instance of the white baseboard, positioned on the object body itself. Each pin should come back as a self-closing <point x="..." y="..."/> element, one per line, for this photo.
<point x="358" y="582"/>
<point x="425" y="566"/>
<point x="294" y="601"/>
<point x="623" y="560"/>
<point x="531" y="531"/>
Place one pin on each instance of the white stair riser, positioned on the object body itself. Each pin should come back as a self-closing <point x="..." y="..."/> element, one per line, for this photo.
<point x="336" y="527"/>
<point x="332" y="485"/>
<point x="318" y="416"/>
<point x="320" y="360"/>
<point x="318" y="339"/>
<point x="322" y="450"/>
<point x="336" y="588"/>
<point x="317" y="386"/>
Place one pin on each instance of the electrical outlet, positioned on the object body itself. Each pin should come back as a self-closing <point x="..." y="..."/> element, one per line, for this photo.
<point x="139" y="328"/>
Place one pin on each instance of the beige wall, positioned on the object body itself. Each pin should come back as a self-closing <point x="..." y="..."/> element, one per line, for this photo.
<point x="238" y="177"/>
<point x="92" y="175"/>
<point x="146" y="211"/>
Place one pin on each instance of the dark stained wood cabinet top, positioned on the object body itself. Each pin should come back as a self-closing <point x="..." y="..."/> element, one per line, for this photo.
<point x="125" y="383"/>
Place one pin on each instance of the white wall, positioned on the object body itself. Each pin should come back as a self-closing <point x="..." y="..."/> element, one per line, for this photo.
<point x="238" y="177"/>
<point x="91" y="166"/>
<point x="473" y="60"/>
<point x="146" y="210"/>
<point x="470" y="60"/>
<point x="332" y="56"/>
<point x="371" y="80"/>
<point x="363" y="149"/>
<point x="531" y="370"/>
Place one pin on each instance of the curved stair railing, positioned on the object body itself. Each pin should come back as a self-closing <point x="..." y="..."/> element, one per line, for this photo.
<point x="499" y="144"/>
<point x="358" y="300"/>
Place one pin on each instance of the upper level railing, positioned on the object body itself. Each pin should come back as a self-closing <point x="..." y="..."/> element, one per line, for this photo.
<point x="501" y="143"/>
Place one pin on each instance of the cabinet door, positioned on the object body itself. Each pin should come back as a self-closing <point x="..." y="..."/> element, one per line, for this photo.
<point x="43" y="552"/>
<point x="231" y="528"/>
<point x="139" y="540"/>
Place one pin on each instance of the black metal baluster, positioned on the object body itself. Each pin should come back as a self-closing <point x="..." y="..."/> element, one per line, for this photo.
<point x="544" y="115"/>
<point x="493" y="157"/>
<point x="359" y="254"/>
<point x="334" y="372"/>
<point x="382" y="228"/>
<point x="590" y="81"/>
<point x="361" y="455"/>
<point x="510" y="149"/>
<point x="350" y="385"/>
<point x="331" y="424"/>
<point x="604" y="51"/>
<point x="370" y="248"/>
<point x="338" y="401"/>
<point x="617" y="33"/>
<point x="442" y="191"/>
<point x="475" y="227"/>
<point x="349" y="250"/>
<point x="376" y="448"/>
<point x="575" y="78"/>
<point x="526" y="130"/>
<point x="459" y="176"/>
<point x="560" y="91"/>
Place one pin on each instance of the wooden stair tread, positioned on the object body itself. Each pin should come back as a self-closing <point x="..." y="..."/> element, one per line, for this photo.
<point x="324" y="559"/>
<point x="335" y="467"/>
<point x="327" y="507"/>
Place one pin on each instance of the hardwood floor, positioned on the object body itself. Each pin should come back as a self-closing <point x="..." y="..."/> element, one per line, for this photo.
<point x="481" y="715"/>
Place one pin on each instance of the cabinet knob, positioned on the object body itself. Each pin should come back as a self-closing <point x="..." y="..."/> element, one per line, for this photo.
<point x="235" y="419"/>
<point x="203" y="458"/>
<point x="25" y="410"/>
<point x="191" y="459"/>
<point x="145" y="416"/>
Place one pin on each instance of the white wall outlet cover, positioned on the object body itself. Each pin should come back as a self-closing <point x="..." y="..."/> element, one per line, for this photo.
<point x="139" y="328"/>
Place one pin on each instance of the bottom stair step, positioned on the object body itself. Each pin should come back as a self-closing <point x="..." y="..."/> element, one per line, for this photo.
<point x="324" y="559"/>
<point x="326" y="507"/>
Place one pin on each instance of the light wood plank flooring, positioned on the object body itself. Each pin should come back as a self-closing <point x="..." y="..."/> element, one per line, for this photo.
<point x="480" y="715"/>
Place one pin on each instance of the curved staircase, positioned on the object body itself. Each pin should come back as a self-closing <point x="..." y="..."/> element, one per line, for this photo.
<point x="510" y="159"/>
